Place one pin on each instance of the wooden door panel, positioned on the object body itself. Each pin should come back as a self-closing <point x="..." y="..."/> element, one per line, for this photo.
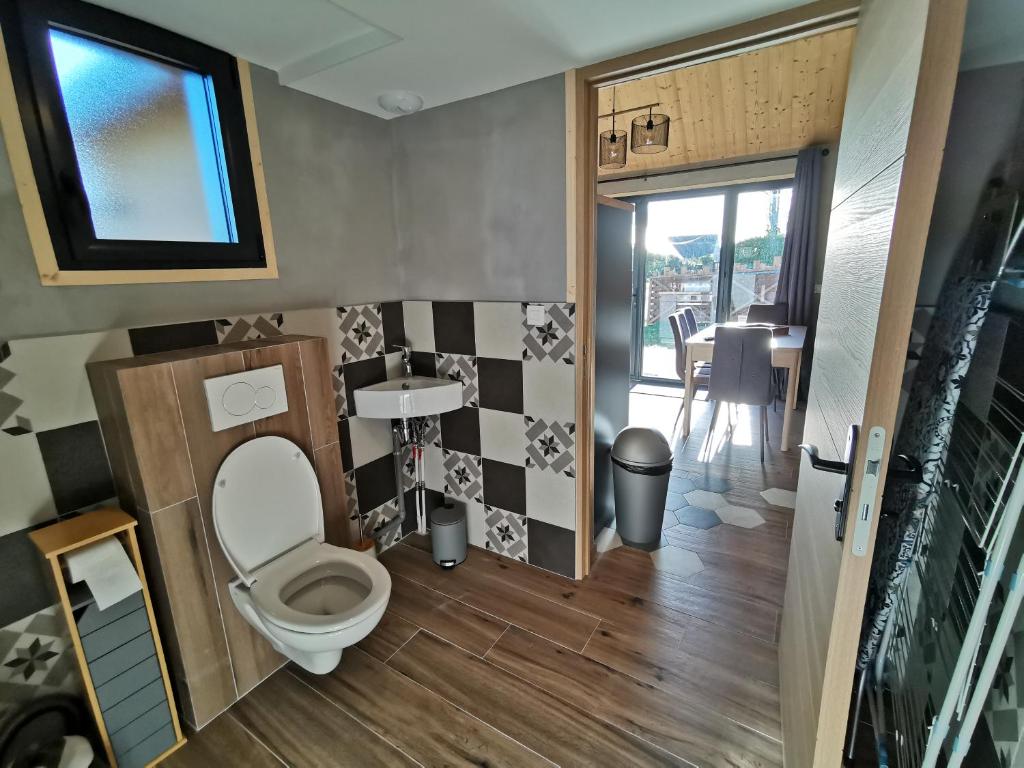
<point x="899" y="95"/>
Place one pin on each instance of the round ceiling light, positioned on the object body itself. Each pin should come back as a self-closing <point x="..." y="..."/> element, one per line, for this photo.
<point x="400" y="102"/>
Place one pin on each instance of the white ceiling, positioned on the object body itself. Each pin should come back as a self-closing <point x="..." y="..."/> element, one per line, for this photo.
<point x="350" y="51"/>
<point x="994" y="34"/>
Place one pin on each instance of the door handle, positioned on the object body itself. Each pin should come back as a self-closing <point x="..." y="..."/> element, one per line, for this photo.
<point x="837" y="468"/>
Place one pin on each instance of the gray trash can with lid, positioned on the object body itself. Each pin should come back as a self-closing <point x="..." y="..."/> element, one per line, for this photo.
<point x="448" y="535"/>
<point x="641" y="466"/>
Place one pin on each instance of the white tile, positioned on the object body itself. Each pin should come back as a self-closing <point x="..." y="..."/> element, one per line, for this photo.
<point x="744" y="517"/>
<point x="476" y="525"/>
<point x="551" y="498"/>
<point x="393" y="365"/>
<point x="502" y="436"/>
<point x="705" y="499"/>
<point x="499" y="329"/>
<point x="678" y="561"/>
<point x="419" y="325"/>
<point x="27" y="499"/>
<point x="780" y="497"/>
<point x="50" y="379"/>
<point x="317" y="322"/>
<point x="549" y="391"/>
<point x="371" y="439"/>
<point x="433" y="468"/>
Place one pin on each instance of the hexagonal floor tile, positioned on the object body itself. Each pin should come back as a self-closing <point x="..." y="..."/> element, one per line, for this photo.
<point x="669" y="520"/>
<point x="744" y="517"/>
<point x="674" y="501"/>
<point x="706" y="499"/>
<point x="697" y="517"/>
<point x="607" y="539"/>
<point x="677" y="561"/>
<point x="780" y="497"/>
<point x="712" y="483"/>
<point x="681" y="485"/>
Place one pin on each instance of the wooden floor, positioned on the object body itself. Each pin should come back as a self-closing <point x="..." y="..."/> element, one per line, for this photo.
<point x="498" y="663"/>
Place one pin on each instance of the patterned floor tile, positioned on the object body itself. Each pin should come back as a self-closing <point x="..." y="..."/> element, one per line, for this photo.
<point x="550" y="445"/>
<point x="711" y="483"/>
<point x="555" y="340"/>
<point x="706" y="499"/>
<point x="780" y="497"/>
<point x="674" y="501"/>
<point x="697" y="517"/>
<point x="461" y="368"/>
<point x="36" y="658"/>
<point x="362" y="332"/>
<point x="676" y="560"/>
<point x="463" y="475"/>
<point x="506" y="533"/>
<point x="743" y="517"/>
<point x="681" y="485"/>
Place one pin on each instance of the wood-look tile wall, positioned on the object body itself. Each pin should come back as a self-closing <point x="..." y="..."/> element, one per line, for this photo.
<point x="165" y="456"/>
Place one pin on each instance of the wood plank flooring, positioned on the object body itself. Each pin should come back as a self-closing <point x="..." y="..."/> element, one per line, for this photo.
<point x="498" y="663"/>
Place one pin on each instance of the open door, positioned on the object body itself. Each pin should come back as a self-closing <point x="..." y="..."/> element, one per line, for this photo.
<point x="897" y="109"/>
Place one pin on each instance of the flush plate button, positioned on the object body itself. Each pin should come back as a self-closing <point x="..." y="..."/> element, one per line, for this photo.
<point x="240" y="398"/>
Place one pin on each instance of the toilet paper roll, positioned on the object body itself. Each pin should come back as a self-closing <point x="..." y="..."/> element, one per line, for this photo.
<point x="106" y="570"/>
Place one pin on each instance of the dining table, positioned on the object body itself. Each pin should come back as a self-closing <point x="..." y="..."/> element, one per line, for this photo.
<point x="787" y="352"/>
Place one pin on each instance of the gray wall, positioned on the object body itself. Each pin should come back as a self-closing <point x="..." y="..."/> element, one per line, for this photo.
<point x="480" y="196"/>
<point x="329" y="180"/>
<point x="987" y="106"/>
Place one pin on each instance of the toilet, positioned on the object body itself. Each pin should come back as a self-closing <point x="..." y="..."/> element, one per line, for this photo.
<point x="311" y="600"/>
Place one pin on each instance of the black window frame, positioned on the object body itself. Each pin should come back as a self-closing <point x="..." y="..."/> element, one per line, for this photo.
<point x="26" y="25"/>
<point x="726" y="258"/>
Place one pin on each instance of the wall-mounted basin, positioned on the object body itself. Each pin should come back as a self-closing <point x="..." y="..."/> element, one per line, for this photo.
<point x="408" y="397"/>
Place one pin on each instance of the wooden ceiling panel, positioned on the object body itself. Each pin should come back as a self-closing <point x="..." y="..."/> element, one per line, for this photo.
<point x="776" y="99"/>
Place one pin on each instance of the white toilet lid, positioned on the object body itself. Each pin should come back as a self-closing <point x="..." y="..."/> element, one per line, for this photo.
<point x="266" y="500"/>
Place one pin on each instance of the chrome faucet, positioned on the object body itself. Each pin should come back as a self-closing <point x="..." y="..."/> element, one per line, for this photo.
<point x="406" y="360"/>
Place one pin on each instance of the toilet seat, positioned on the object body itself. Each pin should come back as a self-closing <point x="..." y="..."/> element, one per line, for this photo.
<point x="271" y="580"/>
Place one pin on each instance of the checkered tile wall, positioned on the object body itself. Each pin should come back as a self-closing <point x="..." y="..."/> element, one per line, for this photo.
<point x="509" y="453"/>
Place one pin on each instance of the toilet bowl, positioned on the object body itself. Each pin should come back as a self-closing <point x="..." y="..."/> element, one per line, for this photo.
<point x="309" y="599"/>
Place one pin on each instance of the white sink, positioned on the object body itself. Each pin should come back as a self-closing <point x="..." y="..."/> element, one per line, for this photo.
<point x="408" y="397"/>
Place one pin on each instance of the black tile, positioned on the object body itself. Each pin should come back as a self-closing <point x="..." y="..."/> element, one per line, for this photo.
<point x="453" y="327"/>
<point x="76" y="465"/>
<point x="164" y="338"/>
<point x="360" y="374"/>
<point x="504" y="486"/>
<point x="551" y="547"/>
<point x="25" y="578"/>
<point x="345" y="442"/>
<point x="375" y="483"/>
<point x="394" y="325"/>
<point x="424" y="364"/>
<point x="460" y="430"/>
<point x="434" y="500"/>
<point x="501" y="384"/>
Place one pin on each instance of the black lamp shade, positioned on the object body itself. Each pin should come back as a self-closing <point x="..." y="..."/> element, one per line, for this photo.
<point x="612" y="149"/>
<point x="650" y="134"/>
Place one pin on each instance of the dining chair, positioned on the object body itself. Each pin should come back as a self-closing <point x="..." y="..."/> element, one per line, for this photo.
<point x="680" y="333"/>
<point x="772" y="314"/>
<point x="742" y="372"/>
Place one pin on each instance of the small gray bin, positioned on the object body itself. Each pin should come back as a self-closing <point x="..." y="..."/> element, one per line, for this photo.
<point x="641" y="466"/>
<point x="448" y="535"/>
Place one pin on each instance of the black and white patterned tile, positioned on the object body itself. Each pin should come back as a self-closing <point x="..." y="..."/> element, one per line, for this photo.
<point x="340" y="394"/>
<point x="249" y="327"/>
<point x="463" y="475"/>
<point x="555" y="339"/>
<point x="460" y="368"/>
<point x="379" y="517"/>
<point x="551" y="445"/>
<point x="506" y="533"/>
<point x="362" y="331"/>
<point x="352" y="500"/>
<point x="36" y="658"/>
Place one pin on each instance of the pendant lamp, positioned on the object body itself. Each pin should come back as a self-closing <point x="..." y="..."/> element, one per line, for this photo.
<point x="612" y="145"/>
<point x="650" y="134"/>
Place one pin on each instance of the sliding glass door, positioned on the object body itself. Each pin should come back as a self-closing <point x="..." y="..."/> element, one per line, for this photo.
<point x="715" y="250"/>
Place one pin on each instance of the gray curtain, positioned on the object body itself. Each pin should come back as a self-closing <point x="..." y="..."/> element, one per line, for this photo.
<point x="796" y="275"/>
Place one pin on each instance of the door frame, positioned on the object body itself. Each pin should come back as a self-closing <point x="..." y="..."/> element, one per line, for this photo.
<point x="726" y="255"/>
<point x="581" y="87"/>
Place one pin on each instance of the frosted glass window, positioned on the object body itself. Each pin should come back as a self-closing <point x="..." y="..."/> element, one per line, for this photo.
<point x="148" y="143"/>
